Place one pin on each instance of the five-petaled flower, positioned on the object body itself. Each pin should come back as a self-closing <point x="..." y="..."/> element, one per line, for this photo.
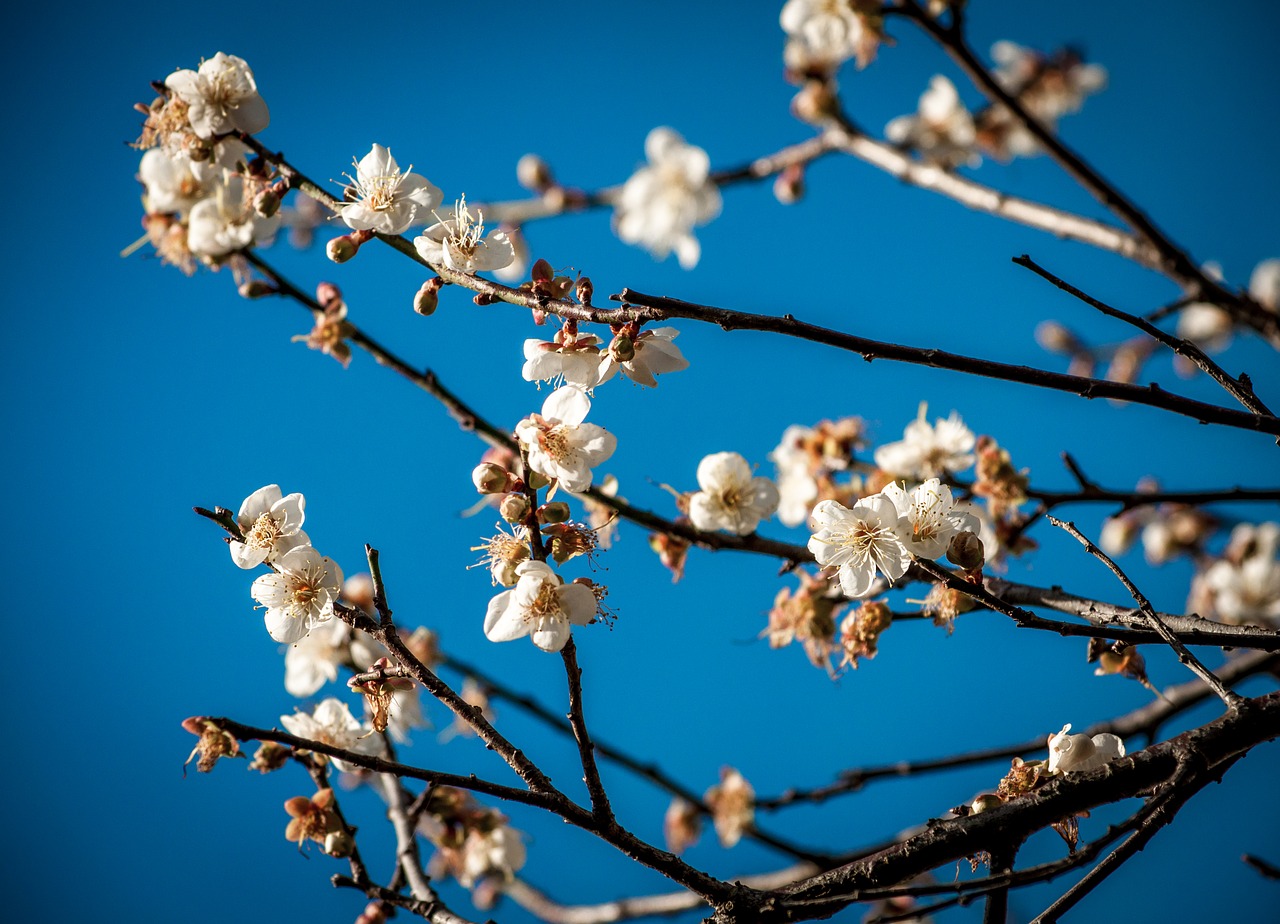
<point x="731" y="498"/>
<point x="221" y="97"/>
<point x="859" y="541"/>
<point x="459" y="242"/>
<point x="663" y="202"/>
<point x="928" y="517"/>
<point x="652" y="354"/>
<point x="271" y="524"/>
<point x="299" y="595"/>
<point x="386" y="200"/>
<point x="929" y="452"/>
<point x="539" y="606"/>
<point x="560" y="445"/>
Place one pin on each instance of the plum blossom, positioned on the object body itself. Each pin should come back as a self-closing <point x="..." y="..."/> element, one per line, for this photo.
<point x="171" y="185"/>
<point x="271" y="525"/>
<point x="731" y="498"/>
<point x="333" y="724"/>
<point x="825" y="33"/>
<point x="1264" y="284"/>
<point x="652" y="354"/>
<point x="314" y="660"/>
<point x="386" y="200"/>
<point x="1245" y="585"/>
<point x="928" y="518"/>
<point x="1077" y="753"/>
<point x="928" y="452"/>
<point x="941" y="130"/>
<point x="221" y="97"/>
<point x="797" y="488"/>
<point x="570" y="358"/>
<point x="732" y="804"/>
<point x="560" y="445"/>
<point x="663" y="202"/>
<point x="299" y="595"/>
<point x="859" y="541"/>
<point x="498" y="852"/>
<point x="225" y="221"/>
<point x="540" y="606"/>
<point x="459" y="242"/>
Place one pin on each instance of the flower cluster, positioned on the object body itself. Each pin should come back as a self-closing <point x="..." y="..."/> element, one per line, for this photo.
<point x="474" y="844"/>
<point x="576" y="359"/>
<point x="882" y="532"/>
<point x="1243" y="586"/>
<point x="204" y="200"/>
<point x="823" y="34"/>
<point x="816" y="463"/>
<point x="942" y="130"/>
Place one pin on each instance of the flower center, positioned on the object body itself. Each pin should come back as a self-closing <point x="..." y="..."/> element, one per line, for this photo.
<point x="555" y="442"/>
<point x="546" y="605"/>
<point x="264" y="533"/>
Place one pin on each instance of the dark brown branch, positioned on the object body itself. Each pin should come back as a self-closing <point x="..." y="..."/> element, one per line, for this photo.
<point x="661" y="308"/>
<point x="586" y="750"/>
<point x="1240" y="389"/>
<point x="1266" y="869"/>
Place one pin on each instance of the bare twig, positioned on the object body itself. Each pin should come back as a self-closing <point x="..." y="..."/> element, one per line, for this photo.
<point x="586" y="750"/>
<point x="1232" y="700"/>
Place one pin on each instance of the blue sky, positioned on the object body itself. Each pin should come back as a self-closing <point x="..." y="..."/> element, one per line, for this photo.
<point x="136" y="393"/>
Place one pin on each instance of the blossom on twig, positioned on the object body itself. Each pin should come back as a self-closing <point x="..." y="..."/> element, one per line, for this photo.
<point x="859" y="541"/>
<point x="560" y="445"/>
<point x="383" y="198"/>
<point x="299" y="595"/>
<point x="663" y="202"/>
<point x="459" y="242"/>
<point x="221" y="97"/>
<point x="1077" y="753"/>
<point x="540" y="606"/>
<point x="731" y="498"/>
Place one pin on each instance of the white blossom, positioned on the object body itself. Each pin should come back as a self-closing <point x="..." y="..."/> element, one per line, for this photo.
<point x="221" y="97"/>
<point x="499" y="852"/>
<point x="1264" y="284"/>
<point x="314" y="660"/>
<point x="300" y="595"/>
<point x="1048" y="100"/>
<point x="271" y="524"/>
<point x="859" y="541"/>
<point x="731" y="498"/>
<point x="662" y="203"/>
<point x="942" y="130"/>
<point x="387" y="201"/>
<point x="655" y="354"/>
<point x="825" y="33"/>
<point x="333" y="724"/>
<point x="1077" y="753"/>
<point x="1246" y="584"/>
<point x="797" y="488"/>
<point x="225" y="221"/>
<point x="560" y="445"/>
<point x="928" y="452"/>
<point x="569" y="358"/>
<point x="405" y="714"/>
<point x="459" y="242"/>
<point x="540" y="606"/>
<point x="929" y="518"/>
<point x="171" y="185"/>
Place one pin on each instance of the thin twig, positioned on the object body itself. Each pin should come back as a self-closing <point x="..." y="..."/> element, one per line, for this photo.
<point x="586" y="750"/>
<point x="1193" y="663"/>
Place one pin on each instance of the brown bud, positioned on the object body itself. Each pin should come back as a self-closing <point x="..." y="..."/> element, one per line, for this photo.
<point x="814" y="103"/>
<point x="788" y="188"/>
<point x="256" y="288"/>
<point x="966" y="551"/>
<point x="622" y="349"/>
<point x="491" y="479"/>
<point x="584" y="289"/>
<point x="267" y="202"/>
<point x="554" y="512"/>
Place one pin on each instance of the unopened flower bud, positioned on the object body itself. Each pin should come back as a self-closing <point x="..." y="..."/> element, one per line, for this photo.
<point x="338" y="844"/>
<point x="326" y="293"/>
<point x="427" y="299"/>
<point x="533" y="173"/>
<point x="341" y="249"/>
<point x="584" y="289"/>
<point x="491" y="479"/>
<point x="514" y="508"/>
<point x="537" y="480"/>
<point x="985" y="802"/>
<point x="966" y="551"/>
<point x="788" y="188"/>
<point x="1055" y="338"/>
<point x="267" y="202"/>
<point x="622" y="349"/>
<point x="814" y="103"/>
<point x="358" y="591"/>
<point x="484" y="298"/>
<point x="256" y="288"/>
<point x="554" y="512"/>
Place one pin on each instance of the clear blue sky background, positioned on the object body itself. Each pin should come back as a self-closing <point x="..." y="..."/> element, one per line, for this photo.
<point x="133" y="393"/>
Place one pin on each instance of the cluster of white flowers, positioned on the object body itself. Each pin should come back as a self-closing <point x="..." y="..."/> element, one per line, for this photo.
<point x="881" y="533"/>
<point x="1210" y="327"/>
<point x="663" y="202"/>
<point x="1048" y="88"/>
<point x="200" y="198"/>
<point x="577" y="359"/>
<point x="332" y="723"/>
<point x="1243" y="587"/>
<point x="300" y="592"/>
<point x="942" y="129"/>
<point x="928" y="451"/>
<point x="809" y="459"/>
